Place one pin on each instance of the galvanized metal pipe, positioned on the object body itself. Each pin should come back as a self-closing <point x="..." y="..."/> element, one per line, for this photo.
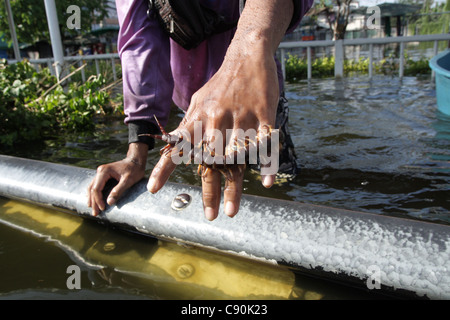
<point x="401" y="256"/>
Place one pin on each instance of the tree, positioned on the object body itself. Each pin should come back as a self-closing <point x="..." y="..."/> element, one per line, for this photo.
<point x="432" y="18"/>
<point x="31" y="21"/>
<point x="337" y="13"/>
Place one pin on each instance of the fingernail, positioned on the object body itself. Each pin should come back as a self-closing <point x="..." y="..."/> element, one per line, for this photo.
<point x="230" y="208"/>
<point x="267" y="181"/>
<point x="111" y="200"/>
<point x="151" y="185"/>
<point x="210" y="214"/>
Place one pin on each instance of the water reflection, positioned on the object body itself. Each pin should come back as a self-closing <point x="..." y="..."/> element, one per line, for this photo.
<point x="378" y="145"/>
<point x="115" y="264"/>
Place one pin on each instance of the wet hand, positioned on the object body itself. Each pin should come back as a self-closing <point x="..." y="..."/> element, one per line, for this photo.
<point x="242" y="95"/>
<point x="127" y="172"/>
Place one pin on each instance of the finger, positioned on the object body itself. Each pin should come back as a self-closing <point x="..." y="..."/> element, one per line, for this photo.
<point x="95" y="193"/>
<point x="268" y="180"/>
<point x="95" y="210"/>
<point x="211" y="190"/>
<point x="96" y="201"/>
<point x="89" y="200"/>
<point x="98" y="184"/>
<point x="269" y="153"/>
<point x="233" y="190"/>
<point x="161" y="173"/>
<point x="116" y="193"/>
<point x="91" y="203"/>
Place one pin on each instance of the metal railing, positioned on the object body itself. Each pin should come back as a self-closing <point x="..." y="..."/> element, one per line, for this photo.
<point x="371" y="42"/>
<point x="78" y="60"/>
<point x="338" y="47"/>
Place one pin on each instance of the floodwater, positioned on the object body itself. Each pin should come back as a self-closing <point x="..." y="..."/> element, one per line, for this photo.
<point x="375" y="145"/>
<point x="380" y="146"/>
<point x="39" y="247"/>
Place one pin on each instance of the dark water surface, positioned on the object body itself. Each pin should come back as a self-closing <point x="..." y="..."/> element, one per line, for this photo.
<point x="37" y="246"/>
<point x="369" y="145"/>
<point x="376" y="145"/>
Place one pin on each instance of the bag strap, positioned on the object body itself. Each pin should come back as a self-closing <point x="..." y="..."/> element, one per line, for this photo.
<point x="188" y="22"/>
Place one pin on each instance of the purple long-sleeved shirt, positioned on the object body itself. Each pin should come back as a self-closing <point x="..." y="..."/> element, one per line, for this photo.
<point x="157" y="71"/>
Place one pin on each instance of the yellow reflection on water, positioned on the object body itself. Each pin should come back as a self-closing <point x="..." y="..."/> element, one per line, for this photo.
<point x="159" y="269"/>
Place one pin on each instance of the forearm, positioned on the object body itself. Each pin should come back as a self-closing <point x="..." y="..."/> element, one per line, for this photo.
<point x="261" y="27"/>
<point x="137" y="153"/>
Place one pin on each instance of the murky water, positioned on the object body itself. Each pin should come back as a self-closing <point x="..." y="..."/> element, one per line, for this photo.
<point x="376" y="145"/>
<point x="370" y="145"/>
<point x="39" y="249"/>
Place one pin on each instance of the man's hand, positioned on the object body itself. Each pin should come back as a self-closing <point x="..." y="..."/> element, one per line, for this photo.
<point x="243" y="94"/>
<point x="127" y="172"/>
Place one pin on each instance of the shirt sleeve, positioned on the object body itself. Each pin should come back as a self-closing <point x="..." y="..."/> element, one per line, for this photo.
<point x="144" y="50"/>
<point x="301" y="7"/>
<point x="138" y="127"/>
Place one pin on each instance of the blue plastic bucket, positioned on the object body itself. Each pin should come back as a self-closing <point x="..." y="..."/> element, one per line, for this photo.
<point x="440" y="64"/>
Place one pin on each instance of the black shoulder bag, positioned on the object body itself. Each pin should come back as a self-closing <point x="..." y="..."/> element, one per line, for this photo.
<point x="188" y="22"/>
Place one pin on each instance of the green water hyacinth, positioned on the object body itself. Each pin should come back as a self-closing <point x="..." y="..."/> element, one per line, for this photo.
<point x="33" y="105"/>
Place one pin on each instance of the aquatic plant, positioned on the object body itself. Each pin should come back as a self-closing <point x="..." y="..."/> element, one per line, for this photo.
<point x="33" y="105"/>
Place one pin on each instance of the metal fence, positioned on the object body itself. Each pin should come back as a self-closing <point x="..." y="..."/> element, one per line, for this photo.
<point x="339" y="45"/>
<point x="338" y="49"/>
<point x="79" y="61"/>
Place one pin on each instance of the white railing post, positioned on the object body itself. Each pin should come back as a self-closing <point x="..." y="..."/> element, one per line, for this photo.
<point x="435" y="52"/>
<point x="339" y="58"/>
<point x="401" y="66"/>
<point x="50" y="66"/>
<point x="97" y="67"/>
<point x="83" y="74"/>
<point x="113" y="65"/>
<point x="308" y="57"/>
